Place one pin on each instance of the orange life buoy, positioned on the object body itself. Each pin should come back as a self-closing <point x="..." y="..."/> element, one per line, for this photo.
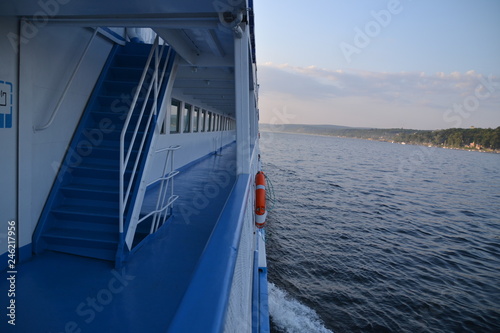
<point x="260" y="200"/>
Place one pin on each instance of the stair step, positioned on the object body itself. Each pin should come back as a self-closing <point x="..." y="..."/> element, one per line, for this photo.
<point x="103" y="254"/>
<point x="125" y="74"/>
<point x="136" y="48"/>
<point x="79" y="227"/>
<point x="115" y="118"/>
<point x="106" y="212"/>
<point x="89" y="243"/>
<point x="112" y="87"/>
<point x="116" y="104"/>
<point x="107" y="239"/>
<point x="82" y="214"/>
<point x="77" y="216"/>
<point x="130" y="60"/>
<point x="85" y="191"/>
<point x="96" y="136"/>
<point x="108" y="152"/>
<point x="99" y="170"/>
<point x="107" y="208"/>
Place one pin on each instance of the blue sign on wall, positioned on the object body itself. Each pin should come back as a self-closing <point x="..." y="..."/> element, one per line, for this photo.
<point x="6" y="98"/>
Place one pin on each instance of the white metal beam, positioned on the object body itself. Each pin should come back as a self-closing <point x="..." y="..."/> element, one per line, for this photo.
<point x="242" y="89"/>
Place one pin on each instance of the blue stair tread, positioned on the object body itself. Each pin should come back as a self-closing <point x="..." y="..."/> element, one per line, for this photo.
<point x="64" y="217"/>
<point x="83" y="216"/>
<point x="109" y="151"/>
<point x="92" y="188"/>
<point x="100" y="167"/>
<point x="104" y="254"/>
<point x="86" y="210"/>
<point x="90" y="225"/>
<point x="83" y="235"/>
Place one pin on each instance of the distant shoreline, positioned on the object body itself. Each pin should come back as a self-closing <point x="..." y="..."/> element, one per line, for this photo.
<point x="321" y="130"/>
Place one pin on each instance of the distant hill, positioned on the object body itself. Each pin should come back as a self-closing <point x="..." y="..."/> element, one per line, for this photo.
<point x="470" y="138"/>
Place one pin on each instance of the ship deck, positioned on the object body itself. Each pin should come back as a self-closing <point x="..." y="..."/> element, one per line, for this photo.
<point x="57" y="292"/>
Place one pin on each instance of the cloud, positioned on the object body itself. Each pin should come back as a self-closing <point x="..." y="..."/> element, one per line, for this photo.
<point x="409" y="99"/>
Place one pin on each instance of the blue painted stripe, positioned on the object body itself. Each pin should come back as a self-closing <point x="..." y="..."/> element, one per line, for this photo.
<point x="208" y="294"/>
<point x="263" y="302"/>
<point x="8" y="120"/>
<point x="255" y="294"/>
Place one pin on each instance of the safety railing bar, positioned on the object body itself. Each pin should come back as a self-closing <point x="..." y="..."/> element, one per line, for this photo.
<point x="157" y="211"/>
<point x="136" y="95"/>
<point x="124" y="199"/>
<point x="167" y="59"/>
<point x="155" y="103"/>
<point x="170" y="202"/>
<point x="164" y="200"/>
<point x="63" y="96"/>
<point x="158" y="59"/>
<point x="161" y="200"/>
<point x="169" y="176"/>
<point x="139" y="121"/>
<point x="132" y="143"/>
<point x="161" y="193"/>
<point x="154" y="82"/>
<point x="137" y="160"/>
<point x="132" y="107"/>
<point x="171" y="148"/>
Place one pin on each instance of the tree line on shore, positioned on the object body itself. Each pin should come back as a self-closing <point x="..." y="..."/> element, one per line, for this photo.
<point x="465" y="138"/>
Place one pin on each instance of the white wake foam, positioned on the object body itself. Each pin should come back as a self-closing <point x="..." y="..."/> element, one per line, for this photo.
<point x="291" y="316"/>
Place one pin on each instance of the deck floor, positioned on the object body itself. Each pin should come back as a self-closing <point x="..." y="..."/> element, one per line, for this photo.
<point x="57" y="292"/>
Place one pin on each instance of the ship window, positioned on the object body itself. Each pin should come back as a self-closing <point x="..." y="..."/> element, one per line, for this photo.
<point x="196" y="119"/>
<point x="187" y="118"/>
<point x="202" y="123"/>
<point x="209" y="128"/>
<point x="174" y="116"/>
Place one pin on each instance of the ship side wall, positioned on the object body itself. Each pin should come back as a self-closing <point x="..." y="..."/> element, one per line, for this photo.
<point x="9" y="83"/>
<point x="194" y="145"/>
<point x="46" y="61"/>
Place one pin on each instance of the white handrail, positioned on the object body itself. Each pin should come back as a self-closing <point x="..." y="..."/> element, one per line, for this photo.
<point x="161" y="205"/>
<point x="125" y="152"/>
<point x="63" y="96"/>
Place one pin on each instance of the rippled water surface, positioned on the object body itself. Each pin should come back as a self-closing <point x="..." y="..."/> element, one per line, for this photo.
<point x="378" y="237"/>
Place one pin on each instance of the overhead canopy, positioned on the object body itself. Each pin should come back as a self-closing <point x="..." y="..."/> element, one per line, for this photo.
<point x="201" y="32"/>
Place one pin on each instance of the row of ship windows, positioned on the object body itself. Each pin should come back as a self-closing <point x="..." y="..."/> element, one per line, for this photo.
<point x="186" y="118"/>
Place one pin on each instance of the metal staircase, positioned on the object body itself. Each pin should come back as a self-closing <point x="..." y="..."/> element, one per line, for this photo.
<point x="89" y="209"/>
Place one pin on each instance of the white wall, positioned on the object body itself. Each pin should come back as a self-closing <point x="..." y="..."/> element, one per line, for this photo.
<point x="47" y="61"/>
<point x="8" y="136"/>
<point x="194" y="145"/>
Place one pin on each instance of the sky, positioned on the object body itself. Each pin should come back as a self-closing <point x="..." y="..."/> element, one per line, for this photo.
<point x="418" y="64"/>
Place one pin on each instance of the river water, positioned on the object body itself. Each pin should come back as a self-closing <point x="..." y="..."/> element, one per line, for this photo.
<point x="370" y="236"/>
